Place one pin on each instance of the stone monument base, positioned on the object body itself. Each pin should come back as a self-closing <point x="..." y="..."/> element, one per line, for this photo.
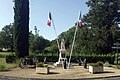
<point x="60" y="62"/>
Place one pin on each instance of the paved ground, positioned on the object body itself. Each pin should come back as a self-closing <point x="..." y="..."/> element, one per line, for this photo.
<point x="76" y="72"/>
<point x="113" y="78"/>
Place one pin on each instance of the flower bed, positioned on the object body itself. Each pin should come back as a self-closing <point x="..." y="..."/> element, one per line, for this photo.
<point x="42" y="68"/>
<point x="96" y="67"/>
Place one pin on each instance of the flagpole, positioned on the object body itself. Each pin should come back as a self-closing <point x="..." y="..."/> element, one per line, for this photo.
<point x="55" y="33"/>
<point x="72" y="45"/>
<point x="74" y="39"/>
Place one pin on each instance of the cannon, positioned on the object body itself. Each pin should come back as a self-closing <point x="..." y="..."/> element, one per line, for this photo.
<point x="28" y="61"/>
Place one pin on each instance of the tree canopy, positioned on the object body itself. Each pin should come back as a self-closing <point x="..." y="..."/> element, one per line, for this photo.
<point x="21" y="27"/>
<point x="6" y="37"/>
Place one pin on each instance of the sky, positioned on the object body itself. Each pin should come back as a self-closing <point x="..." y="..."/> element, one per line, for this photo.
<point x="64" y="14"/>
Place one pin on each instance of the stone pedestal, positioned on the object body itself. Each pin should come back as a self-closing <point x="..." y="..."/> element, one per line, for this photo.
<point x="60" y="62"/>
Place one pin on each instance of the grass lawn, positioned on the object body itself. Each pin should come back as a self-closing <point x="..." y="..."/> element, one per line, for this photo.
<point x="3" y="61"/>
<point x="7" y="66"/>
<point x="5" y="53"/>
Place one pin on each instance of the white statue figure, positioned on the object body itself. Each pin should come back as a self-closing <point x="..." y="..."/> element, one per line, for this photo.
<point x="62" y="54"/>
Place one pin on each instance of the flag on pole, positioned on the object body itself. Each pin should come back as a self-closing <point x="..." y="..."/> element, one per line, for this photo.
<point x="49" y="19"/>
<point x="51" y="22"/>
<point x="79" y="23"/>
<point x="80" y="20"/>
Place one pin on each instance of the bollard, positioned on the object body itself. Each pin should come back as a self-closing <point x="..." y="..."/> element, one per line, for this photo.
<point x="64" y="64"/>
<point x="85" y="63"/>
<point x="79" y="63"/>
<point x="45" y="60"/>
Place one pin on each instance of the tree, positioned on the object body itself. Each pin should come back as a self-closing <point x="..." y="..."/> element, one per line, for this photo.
<point x="102" y="18"/>
<point x="37" y="43"/>
<point x="68" y="37"/>
<point x="21" y="28"/>
<point x="6" y="37"/>
<point x="103" y="14"/>
<point x="52" y="49"/>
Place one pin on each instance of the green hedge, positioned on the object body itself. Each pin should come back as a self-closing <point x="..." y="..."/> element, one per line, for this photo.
<point x="75" y="58"/>
<point x="11" y="58"/>
<point x="94" y="59"/>
<point x="91" y="58"/>
<point x="48" y="58"/>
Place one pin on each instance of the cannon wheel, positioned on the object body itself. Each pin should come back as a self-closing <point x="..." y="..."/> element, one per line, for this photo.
<point x="23" y="63"/>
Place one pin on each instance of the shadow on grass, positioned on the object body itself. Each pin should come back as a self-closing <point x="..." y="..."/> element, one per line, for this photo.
<point x="2" y="56"/>
<point x="5" y="70"/>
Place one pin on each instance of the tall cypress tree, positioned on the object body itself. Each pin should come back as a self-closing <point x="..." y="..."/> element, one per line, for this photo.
<point x="21" y="28"/>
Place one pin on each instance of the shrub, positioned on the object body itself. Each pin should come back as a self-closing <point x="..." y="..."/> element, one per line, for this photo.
<point x="93" y="64"/>
<point x="97" y="64"/>
<point x="45" y="65"/>
<point x="40" y="64"/>
<point x="10" y="58"/>
<point x="2" y="67"/>
<point x="91" y="58"/>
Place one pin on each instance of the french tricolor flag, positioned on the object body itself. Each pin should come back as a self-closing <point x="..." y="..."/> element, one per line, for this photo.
<point x="80" y="20"/>
<point x="49" y="19"/>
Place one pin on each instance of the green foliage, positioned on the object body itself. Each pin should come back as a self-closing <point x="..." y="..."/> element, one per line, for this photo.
<point x="103" y="13"/>
<point x="100" y="63"/>
<point x="37" y="43"/>
<point x="96" y="64"/>
<point x="49" y="56"/>
<point x="40" y="64"/>
<point x="8" y="66"/>
<point x="93" y="64"/>
<point x="45" y="65"/>
<point x="6" y="37"/>
<point x="103" y="16"/>
<point x="52" y="49"/>
<point x="48" y="49"/>
<point x="68" y="37"/>
<point x="11" y="58"/>
<point x="84" y="41"/>
<point x="2" y="67"/>
<point x="88" y="40"/>
<point x="91" y="58"/>
<point x="21" y="28"/>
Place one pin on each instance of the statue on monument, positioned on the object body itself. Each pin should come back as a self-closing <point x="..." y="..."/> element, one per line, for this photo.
<point x="62" y="54"/>
<point x="62" y="50"/>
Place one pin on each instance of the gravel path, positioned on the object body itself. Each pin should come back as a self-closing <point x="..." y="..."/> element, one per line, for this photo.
<point x="76" y="72"/>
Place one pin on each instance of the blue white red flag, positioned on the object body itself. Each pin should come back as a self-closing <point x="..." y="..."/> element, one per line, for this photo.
<point x="80" y="20"/>
<point x="49" y="19"/>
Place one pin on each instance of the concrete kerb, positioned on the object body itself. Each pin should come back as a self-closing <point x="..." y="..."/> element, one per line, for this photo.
<point x="20" y="78"/>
